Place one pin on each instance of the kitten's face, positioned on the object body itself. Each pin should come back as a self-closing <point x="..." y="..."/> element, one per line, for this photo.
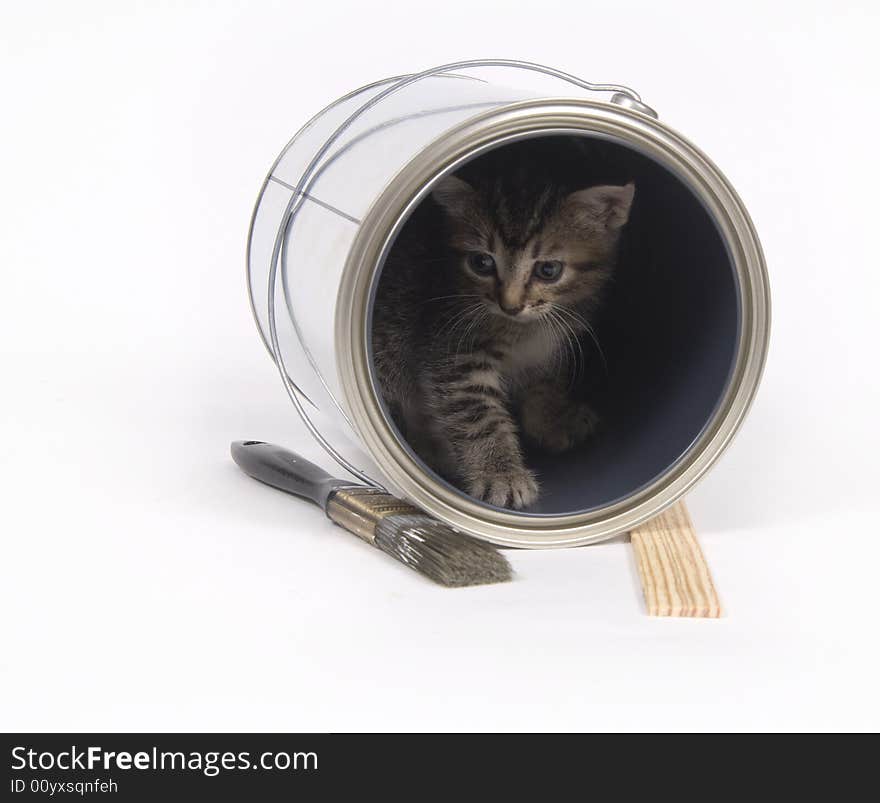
<point x="525" y="259"/>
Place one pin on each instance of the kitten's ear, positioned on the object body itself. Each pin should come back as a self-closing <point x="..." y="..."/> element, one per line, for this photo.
<point x="454" y="195"/>
<point x="608" y="205"/>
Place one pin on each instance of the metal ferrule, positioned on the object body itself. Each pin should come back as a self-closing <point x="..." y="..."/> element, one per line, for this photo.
<point x="359" y="510"/>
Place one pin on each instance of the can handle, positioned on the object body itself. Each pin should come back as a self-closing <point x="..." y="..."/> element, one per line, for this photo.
<point x="622" y="96"/>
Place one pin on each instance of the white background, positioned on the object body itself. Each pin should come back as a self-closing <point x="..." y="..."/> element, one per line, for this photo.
<point x="147" y="584"/>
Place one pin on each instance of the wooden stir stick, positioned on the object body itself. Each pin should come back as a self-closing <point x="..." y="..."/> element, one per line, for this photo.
<point x="675" y="576"/>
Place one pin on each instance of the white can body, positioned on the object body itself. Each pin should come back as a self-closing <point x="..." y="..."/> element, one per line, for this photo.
<point x="315" y="247"/>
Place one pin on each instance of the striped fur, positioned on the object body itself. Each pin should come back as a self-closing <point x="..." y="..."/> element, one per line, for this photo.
<point x="469" y="363"/>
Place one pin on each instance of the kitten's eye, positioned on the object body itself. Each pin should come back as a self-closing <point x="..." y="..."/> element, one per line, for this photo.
<point x="548" y="271"/>
<point x="481" y="264"/>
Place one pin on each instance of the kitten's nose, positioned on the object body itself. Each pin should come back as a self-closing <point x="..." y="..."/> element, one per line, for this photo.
<point x="510" y="309"/>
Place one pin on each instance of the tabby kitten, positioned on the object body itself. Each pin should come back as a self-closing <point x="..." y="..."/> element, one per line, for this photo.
<point x="477" y="318"/>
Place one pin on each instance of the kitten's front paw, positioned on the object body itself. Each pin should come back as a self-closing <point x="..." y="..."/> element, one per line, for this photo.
<point x="515" y="489"/>
<point x="557" y="425"/>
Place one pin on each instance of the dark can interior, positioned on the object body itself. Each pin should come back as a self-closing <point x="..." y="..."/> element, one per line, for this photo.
<point x="668" y="329"/>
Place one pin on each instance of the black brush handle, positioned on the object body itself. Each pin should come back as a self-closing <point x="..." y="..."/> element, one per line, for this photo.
<point x="286" y="471"/>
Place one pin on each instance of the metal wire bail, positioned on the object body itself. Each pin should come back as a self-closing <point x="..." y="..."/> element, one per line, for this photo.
<point x="300" y="193"/>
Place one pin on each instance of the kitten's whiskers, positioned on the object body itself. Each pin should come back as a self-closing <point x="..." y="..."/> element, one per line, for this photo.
<point x="579" y="320"/>
<point x="471" y="329"/>
<point x="572" y="343"/>
<point x="455" y="319"/>
<point x="452" y="295"/>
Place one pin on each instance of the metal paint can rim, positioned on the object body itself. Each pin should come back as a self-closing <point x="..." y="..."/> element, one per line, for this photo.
<point x="391" y="209"/>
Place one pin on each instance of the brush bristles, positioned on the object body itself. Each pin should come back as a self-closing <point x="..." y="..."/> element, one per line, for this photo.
<point x="440" y="553"/>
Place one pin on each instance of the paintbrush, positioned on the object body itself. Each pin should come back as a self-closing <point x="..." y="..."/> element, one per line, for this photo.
<point x="388" y="523"/>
